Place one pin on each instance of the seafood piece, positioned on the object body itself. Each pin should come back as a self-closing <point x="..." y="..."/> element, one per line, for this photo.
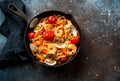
<point x="66" y="33"/>
<point x="50" y="62"/>
<point x="52" y="56"/>
<point x="34" y="48"/>
<point x="33" y="23"/>
<point x="61" y="20"/>
<point x="52" y="48"/>
<point x="39" y="27"/>
<point x="67" y="43"/>
<point x="51" y="59"/>
<point x="71" y="50"/>
<point x="74" y="31"/>
<point x="60" y="45"/>
<point x="59" y="31"/>
<point x="69" y="24"/>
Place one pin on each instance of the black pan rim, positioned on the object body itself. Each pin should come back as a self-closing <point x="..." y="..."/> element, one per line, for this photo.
<point x="45" y="14"/>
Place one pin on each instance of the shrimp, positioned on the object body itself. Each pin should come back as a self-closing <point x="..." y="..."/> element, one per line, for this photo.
<point x="67" y="43"/>
<point x="67" y="31"/>
<point x="61" y="20"/>
<point x="71" y="49"/>
<point x="52" y="48"/>
<point x="59" y="31"/>
<point x="68" y="25"/>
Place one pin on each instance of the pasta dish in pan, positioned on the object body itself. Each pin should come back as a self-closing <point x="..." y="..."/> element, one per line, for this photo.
<point x="54" y="40"/>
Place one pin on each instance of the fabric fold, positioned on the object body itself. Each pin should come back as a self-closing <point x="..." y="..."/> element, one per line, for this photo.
<point x="13" y="28"/>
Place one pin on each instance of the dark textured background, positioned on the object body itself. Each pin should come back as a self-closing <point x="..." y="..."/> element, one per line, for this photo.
<point x="99" y="57"/>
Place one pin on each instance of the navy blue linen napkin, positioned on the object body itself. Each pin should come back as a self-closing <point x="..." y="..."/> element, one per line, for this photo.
<point x="13" y="28"/>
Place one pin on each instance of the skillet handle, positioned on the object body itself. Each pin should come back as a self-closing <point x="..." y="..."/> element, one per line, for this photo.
<point x="12" y="7"/>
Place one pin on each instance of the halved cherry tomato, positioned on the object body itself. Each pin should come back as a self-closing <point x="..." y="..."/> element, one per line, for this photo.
<point x="48" y="35"/>
<point x="63" y="59"/>
<point x="31" y="34"/>
<point x="51" y="19"/>
<point x="74" y="39"/>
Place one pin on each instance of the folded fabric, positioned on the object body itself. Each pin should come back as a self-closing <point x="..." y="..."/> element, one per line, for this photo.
<point x="13" y="28"/>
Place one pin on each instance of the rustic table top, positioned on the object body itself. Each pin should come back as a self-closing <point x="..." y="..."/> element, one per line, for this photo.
<point x="99" y="57"/>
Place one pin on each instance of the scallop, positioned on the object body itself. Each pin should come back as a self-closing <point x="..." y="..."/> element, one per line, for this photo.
<point x="34" y="48"/>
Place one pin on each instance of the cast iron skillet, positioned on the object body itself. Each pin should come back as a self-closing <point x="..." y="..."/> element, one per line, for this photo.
<point x="12" y="7"/>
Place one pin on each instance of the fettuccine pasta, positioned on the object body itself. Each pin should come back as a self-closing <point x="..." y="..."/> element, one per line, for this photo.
<point x="59" y="37"/>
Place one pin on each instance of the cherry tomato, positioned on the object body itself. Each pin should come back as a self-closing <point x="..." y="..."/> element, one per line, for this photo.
<point x="48" y="35"/>
<point x="63" y="59"/>
<point x="31" y="34"/>
<point x="74" y="39"/>
<point x="51" y="19"/>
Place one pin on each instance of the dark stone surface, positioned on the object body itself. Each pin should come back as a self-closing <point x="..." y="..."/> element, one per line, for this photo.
<point x="99" y="57"/>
